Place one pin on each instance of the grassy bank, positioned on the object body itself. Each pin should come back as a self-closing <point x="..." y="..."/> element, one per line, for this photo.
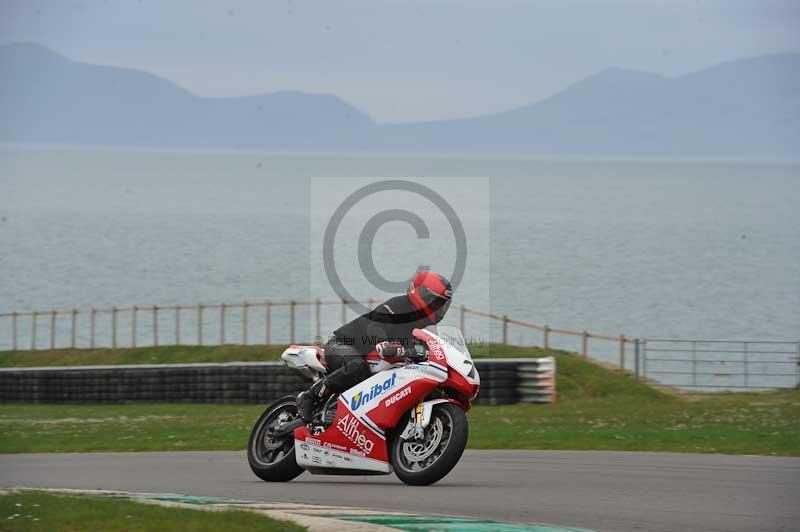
<point x="38" y="510"/>
<point x="597" y="409"/>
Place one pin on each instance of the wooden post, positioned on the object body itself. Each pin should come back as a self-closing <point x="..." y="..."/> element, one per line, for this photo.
<point x="585" y="349"/>
<point x="245" y="307"/>
<point x="33" y="330"/>
<point x="155" y="325"/>
<point x="222" y="324"/>
<point x="114" y="327"/>
<point x="636" y="355"/>
<point x="52" y="330"/>
<point x="267" y="324"/>
<point x="547" y="337"/>
<point x="134" y="313"/>
<point x="177" y="325"/>
<point x="200" y="324"/>
<point x="73" y="333"/>
<point x="505" y="329"/>
<point x="344" y="311"/>
<point x="14" y="330"/>
<point x="461" y="320"/>
<point x="319" y="326"/>
<point x="93" y="320"/>
<point x="291" y="322"/>
<point x="746" y="363"/>
<point x="621" y="351"/>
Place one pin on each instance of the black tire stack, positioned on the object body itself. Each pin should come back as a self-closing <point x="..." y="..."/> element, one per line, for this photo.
<point x="503" y="381"/>
<point x="498" y="382"/>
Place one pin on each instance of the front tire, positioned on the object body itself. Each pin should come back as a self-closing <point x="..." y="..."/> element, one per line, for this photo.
<point x="423" y="462"/>
<point x="271" y="459"/>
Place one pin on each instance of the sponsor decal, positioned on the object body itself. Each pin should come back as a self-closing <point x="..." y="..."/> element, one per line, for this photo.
<point x="436" y="351"/>
<point x="349" y="426"/>
<point x="304" y="446"/>
<point x="396" y="397"/>
<point x="364" y="397"/>
<point x="313" y="441"/>
<point x="316" y="460"/>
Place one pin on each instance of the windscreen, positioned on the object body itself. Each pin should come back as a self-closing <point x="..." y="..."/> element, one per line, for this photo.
<point x="451" y="336"/>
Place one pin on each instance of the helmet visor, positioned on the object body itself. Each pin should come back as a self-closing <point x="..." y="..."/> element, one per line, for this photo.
<point x="436" y="303"/>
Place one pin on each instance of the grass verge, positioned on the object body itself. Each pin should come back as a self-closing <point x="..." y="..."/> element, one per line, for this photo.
<point x="597" y="408"/>
<point x="39" y="510"/>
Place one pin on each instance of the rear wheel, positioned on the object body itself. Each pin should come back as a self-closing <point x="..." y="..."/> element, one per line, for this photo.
<point x="421" y="462"/>
<point x="273" y="459"/>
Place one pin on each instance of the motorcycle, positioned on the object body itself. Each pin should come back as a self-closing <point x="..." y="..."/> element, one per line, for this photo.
<point x="409" y="418"/>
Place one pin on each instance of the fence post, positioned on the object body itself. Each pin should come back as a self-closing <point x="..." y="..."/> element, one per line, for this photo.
<point x="505" y="329"/>
<point x="74" y="324"/>
<point x="291" y="322"/>
<point x="547" y="337"/>
<point x="694" y="363"/>
<point x="92" y="327"/>
<point x="245" y="307"/>
<point x="344" y="312"/>
<point x="644" y="357"/>
<point x="177" y="325"/>
<point x="636" y="357"/>
<point x="746" y="362"/>
<point x="585" y="348"/>
<point x="200" y="324"/>
<point x="461" y="320"/>
<point x="621" y="351"/>
<point x="14" y="331"/>
<point x="134" y="314"/>
<point x="33" y="330"/>
<point x="798" y="364"/>
<point x="319" y="326"/>
<point x="268" y="324"/>
<point x="52" y="330"/>
<point x="114" y="327"/>
<point x="155" y="325"/>
<point x="222" y="324"/>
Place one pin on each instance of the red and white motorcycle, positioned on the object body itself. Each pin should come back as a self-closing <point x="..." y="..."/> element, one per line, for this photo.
<point x="407" y="418"/>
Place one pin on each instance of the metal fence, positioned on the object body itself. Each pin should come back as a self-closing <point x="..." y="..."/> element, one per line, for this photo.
<point x="692" y="364"/>
<point x="721" y="364"/>
<point x="246" y="323"/>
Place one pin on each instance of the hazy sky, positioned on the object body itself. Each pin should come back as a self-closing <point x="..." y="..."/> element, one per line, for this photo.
<point x="403" y="60"/>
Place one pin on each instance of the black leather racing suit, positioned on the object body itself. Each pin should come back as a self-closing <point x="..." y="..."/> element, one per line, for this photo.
<point x="345" y="354"/>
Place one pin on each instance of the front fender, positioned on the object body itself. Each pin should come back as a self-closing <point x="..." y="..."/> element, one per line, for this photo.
<point x="427" y="409"/>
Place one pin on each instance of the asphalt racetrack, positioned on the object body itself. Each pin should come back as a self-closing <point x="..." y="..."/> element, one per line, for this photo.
<point x="608" y="491"/>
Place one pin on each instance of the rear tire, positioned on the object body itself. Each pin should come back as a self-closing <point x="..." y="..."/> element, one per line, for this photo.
<point x="423" y="463"/>
<point x="273" y="460"/>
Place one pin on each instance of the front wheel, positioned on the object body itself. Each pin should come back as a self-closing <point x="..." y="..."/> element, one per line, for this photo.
<point x="273" y="459"/>
<point x="422" y="462"/>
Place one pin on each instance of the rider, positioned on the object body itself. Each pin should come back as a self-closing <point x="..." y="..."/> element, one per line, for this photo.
<point x="383" y="334"/>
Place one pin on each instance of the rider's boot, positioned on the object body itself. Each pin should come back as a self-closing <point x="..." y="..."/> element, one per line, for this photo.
<point x="309" y="399"/>
<point x="353" y="370"/>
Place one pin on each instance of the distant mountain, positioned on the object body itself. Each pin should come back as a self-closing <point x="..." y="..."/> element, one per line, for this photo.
<point x="749" y="107"/>
<point x="45" y="97"/>
<point x="744" y="108"/>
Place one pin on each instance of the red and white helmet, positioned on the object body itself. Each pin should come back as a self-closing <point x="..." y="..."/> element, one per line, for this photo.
<point x="430" y="293"/>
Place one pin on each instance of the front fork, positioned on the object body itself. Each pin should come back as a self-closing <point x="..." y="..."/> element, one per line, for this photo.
<point x="421" y="418"/>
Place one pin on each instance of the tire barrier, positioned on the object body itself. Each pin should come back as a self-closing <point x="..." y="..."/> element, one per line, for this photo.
<point x="503" y="381"/>
<point x="537" y="380"/>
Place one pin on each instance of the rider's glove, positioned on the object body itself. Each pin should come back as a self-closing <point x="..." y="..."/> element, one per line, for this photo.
<point x="392" y="349"/>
